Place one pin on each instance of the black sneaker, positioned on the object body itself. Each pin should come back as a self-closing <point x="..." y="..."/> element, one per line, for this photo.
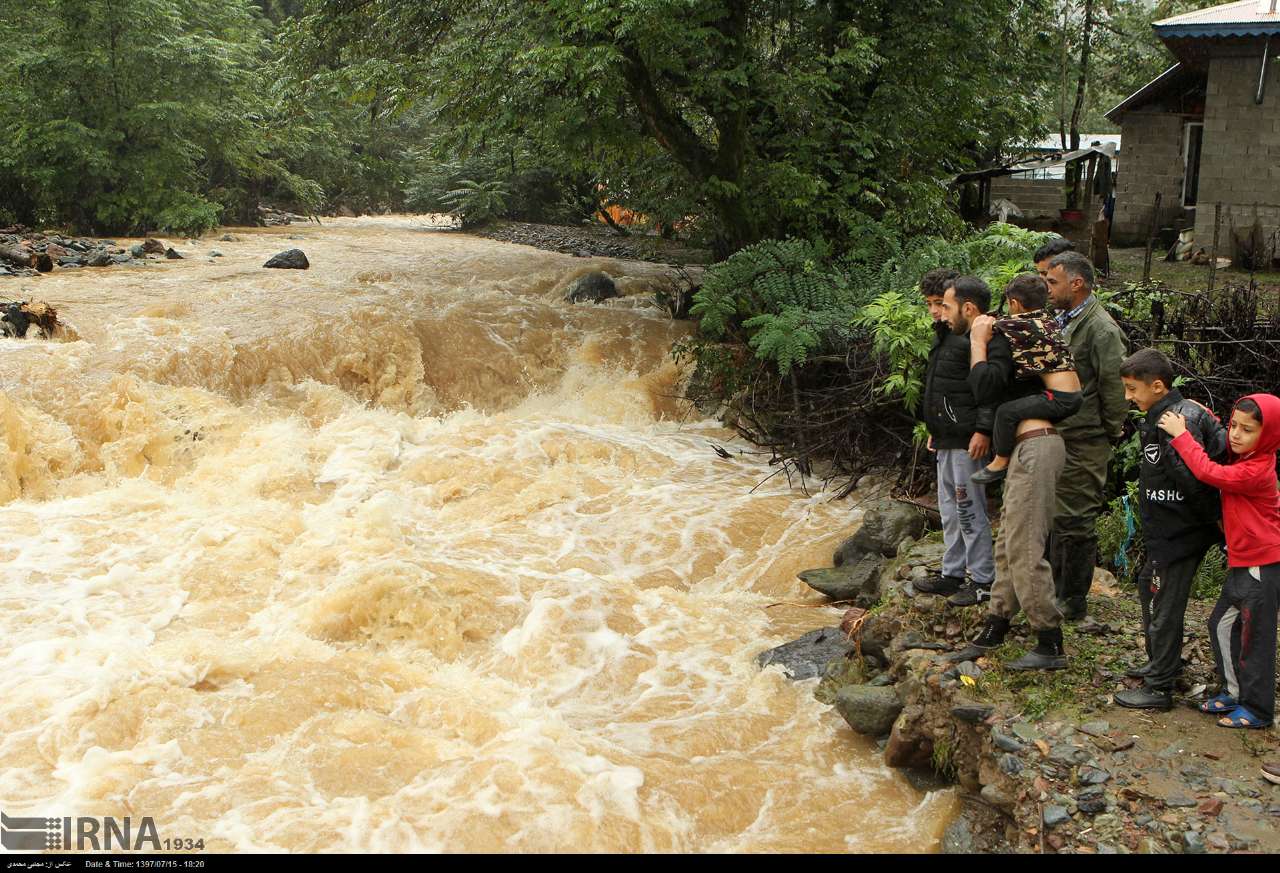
<point x="970" y="594"/>
<point x="1145" y="698"/>
<point x="939" y="584"/>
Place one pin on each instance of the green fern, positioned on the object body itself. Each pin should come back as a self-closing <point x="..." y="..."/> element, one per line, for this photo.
<point x="780" y="296"/>
<point x="474" y="202"/>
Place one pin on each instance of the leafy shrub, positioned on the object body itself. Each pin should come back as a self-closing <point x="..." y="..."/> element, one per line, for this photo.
<point x="781" y="296"/>
<point x="901" y="332"/>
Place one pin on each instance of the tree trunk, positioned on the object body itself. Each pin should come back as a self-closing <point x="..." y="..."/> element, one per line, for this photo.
<point x="1073" y="170"/>
<point x="26" y="258"/>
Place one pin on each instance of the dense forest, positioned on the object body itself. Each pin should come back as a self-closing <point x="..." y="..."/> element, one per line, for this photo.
<point x="730" y="121"/>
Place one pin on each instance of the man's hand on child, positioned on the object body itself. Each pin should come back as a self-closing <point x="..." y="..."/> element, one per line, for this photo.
<point x="979" y="446"/>
<point x="1173" y="424"/>
<point x="981" y="329"/>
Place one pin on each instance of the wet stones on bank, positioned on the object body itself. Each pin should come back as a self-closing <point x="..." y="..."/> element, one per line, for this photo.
<point x="1044" y="762"/>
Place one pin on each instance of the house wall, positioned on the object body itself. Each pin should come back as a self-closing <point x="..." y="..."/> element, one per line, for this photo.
<point x="1152" y="163"/>
<point x="1240" y="163"/>
<point x="1037" y="198"/>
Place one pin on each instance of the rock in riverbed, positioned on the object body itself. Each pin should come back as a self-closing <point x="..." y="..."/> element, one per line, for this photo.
<point x="869" y="710"/>
<point x="808" y="656"/>
<point x="591" y="288"/>
<point x="292" y="259"/>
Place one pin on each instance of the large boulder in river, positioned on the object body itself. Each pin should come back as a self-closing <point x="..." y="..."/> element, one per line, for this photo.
<point x="883" y="530"/>
<point x="591" y="288"/>
<point x="153" y="246"/>
<point x="100" y="258"/>
<point x="852" y="581"/>
<point x="870" y="710"/>
<point x="291" y="259"/>
<point x="808" y="656"/>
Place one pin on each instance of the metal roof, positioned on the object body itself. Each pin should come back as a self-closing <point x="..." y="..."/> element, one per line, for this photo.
<point x="1242" y="18"/>
<point x="1054" y="143"/>
<point x="1024" y="166"/>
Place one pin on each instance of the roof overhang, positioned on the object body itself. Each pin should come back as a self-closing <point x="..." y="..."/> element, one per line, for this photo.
<point x="1148" y="91"/>
<point x="1218" y="30"/>
<point x="1188" y="35"/>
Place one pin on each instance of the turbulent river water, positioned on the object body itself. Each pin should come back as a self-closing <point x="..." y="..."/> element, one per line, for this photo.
<point x="405" y="553"/>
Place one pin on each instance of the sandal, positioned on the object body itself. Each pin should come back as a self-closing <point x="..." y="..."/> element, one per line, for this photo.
<point x="1243" y="719"/>
<point x="1221" y="703"/>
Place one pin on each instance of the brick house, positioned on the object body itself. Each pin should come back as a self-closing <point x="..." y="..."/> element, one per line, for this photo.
<point x="1206" y="130"/>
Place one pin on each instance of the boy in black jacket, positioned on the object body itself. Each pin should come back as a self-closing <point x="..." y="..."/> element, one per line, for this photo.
<point x="1180" y="521"/>
<point x="960" y="436"/>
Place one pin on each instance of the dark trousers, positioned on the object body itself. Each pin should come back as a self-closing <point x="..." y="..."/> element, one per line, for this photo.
<point x="1051" y="405"/>
<point x="1163" y="589"/>
<point x="1243" y="630"/>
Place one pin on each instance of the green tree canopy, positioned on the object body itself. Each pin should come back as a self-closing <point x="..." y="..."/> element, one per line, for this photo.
<point x="763" y="118"/>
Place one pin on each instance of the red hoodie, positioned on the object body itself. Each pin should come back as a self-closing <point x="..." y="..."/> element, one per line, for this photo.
<point x="1250" y="502"/>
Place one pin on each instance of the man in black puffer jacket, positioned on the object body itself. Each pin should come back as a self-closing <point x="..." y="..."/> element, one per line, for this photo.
<point x="1180" y="517"/>
<point x="960" y="435"/>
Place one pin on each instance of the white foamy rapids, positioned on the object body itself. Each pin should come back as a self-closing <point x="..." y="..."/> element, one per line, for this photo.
<point x="404" y="553"/>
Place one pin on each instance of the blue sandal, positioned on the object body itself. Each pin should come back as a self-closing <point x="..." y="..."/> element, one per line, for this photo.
<point x="1242" y="719"/>
<point x="1221" y="704"/>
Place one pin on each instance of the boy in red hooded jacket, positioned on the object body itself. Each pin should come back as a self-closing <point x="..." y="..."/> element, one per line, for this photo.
<point x="1243" y="624"/>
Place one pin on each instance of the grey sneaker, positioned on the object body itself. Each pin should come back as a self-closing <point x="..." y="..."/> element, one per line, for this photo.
<point x="970" y="594"/>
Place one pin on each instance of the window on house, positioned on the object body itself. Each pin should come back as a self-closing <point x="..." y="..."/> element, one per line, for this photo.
<point x="1192" y="137"/>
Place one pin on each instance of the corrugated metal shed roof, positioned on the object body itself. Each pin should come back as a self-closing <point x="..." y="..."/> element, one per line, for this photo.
<point x="1242" y="18"/>
<point x="1054" y="143"/>
<point x="1025" y="166"/>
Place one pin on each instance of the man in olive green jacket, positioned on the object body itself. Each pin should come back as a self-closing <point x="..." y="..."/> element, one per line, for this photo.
<point x="1098" y="345"/>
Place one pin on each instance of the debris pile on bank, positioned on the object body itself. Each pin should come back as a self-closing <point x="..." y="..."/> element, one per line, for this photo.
<point x="33" y="319"/>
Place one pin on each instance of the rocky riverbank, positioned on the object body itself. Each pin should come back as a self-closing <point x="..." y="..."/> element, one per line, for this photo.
<point x="594" y="241"/>
<point x="1045" y="762"/>
<point x="26" y="253"/>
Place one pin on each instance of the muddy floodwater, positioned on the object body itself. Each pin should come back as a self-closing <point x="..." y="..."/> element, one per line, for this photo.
<point x="405" y="553"/>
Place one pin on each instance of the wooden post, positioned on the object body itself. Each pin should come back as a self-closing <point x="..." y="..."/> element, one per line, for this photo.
<point x="1213" y="254"/>
<point x="1151" y="239"/>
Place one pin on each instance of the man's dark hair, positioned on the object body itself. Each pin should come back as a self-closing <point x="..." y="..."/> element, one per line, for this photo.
<point x="1029" y="289"/>
<point x="1074" y="264"/>
<point x="1148" y="365"/>
<point x="934" y="283"/>
<point x="1250" y="407"/>
<point x="973" y="290"/>
<point x="1053" y="247"/>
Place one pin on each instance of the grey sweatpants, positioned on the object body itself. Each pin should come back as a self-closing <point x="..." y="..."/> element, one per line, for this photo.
<point x="1024" y="580"/>
<point x="966" y="530"/>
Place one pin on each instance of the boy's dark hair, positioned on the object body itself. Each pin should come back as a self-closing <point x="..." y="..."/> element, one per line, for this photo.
<point x="1053" y="247"/>
<point x="1148" y="365"/>
<point x="973" y="290"/>
<point x="1029" y="289"/>
<point x="934" y="283"/>
<point x="1249" y="407"/>
<point x="1074" y="264"/>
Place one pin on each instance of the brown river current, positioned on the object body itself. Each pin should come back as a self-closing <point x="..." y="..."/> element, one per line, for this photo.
<point x="404" y="553"/>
